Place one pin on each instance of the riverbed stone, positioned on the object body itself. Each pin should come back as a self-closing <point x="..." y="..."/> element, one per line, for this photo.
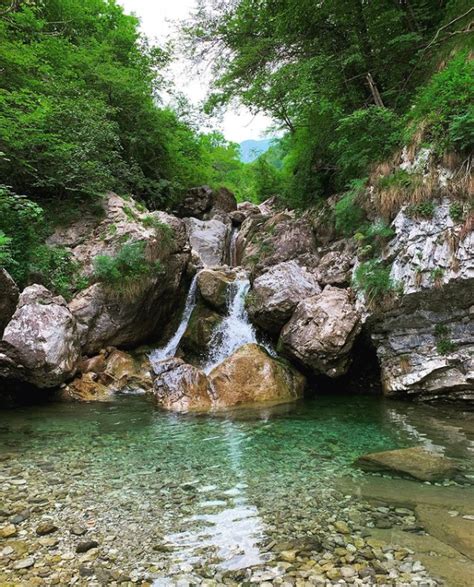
<point x="322" y="331"/>
<point x="276" y="293"/>
<point x="250" y="375"/>
<point x="46" y="528"/>
<point x="415" y="462"/>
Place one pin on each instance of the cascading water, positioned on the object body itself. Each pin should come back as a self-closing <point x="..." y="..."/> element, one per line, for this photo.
<point x="169" y="350"/>
<point x="235" y="330"/>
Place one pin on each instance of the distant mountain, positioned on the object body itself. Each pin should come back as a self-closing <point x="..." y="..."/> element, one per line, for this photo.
<point x="251" y="150"/>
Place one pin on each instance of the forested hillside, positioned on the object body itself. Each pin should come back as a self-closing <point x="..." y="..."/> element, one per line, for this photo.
<point x="350" y="81"/>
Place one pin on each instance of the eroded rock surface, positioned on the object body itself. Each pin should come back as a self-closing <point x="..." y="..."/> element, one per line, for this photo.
<point x="251" y="375"/>
<point x="44" y="337"/>
<point x="321" y="332"/>
<point x="277" y="292"/>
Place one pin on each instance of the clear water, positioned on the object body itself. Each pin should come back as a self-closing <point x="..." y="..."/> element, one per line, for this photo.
<point x="212" y="490"/>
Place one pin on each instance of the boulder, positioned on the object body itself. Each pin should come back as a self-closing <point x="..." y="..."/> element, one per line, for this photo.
<point x="265" y="241"/>
<point x="277" y="292"/>
<point x="213" y="285"/>
<point x="196" y="202"/>
<point x="180" y="387"/>
<point x="335" y="267"/>
<point x="9" y="294"/>
<point x="252" y="376"/>
<point x="44" y="337"/>
<point x="209" y="239"/>
<point x="223" y="200"/>
<point x="109" y="372"/>
<point x="321" y="332"/>
<point x="244" y="210"/>
<point x="415" y="462"/>
<point x="198" y="334"/>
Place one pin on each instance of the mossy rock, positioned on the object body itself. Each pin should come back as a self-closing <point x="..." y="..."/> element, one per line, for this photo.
<point x="202" y="324"/>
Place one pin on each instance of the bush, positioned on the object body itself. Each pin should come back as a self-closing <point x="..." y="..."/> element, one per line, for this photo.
<point x="5" y="256"/>
<point x="163" y="230"/>
<point x="364" y="137"/>
<point x="349" y="216"/>
<point x="56" y="269"/>
<point x="373" y="279"/>
<point x="124" y="273"/>
<point x="421" y="210"/>
<point x="22" y="222"/>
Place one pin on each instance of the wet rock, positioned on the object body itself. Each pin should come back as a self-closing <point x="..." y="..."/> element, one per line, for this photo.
<point x="46" y="528"/>
<point x="44" y="337"/>
<point x="86" y="388"/>
<point x="251" y="375"/>
<point x="9" y="294"/>
<point x="213" y="286"/>
<point x="86" y="546"/>
<point x="8" y="531"/>
<point x="321" y="332"/>
<point x="180" y="387"/>
<point x="416" y="462"/>
<point x="276" y="293"/>
<point x="78" y="530"/>
<point x="198" y="334"/>
<point x="25" y="563"/>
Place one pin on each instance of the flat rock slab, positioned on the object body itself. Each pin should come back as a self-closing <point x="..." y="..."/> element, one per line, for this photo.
<point x="453" y="530"/>
<point x="416" y="462"/>
<point x="441" y="560"/>
<point x="404" y="493"/>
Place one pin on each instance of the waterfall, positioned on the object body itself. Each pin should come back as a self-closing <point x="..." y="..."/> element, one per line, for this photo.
<point x="233" y="247"/>
<point x="169" y="350"/>
<point x="235" y="330"/>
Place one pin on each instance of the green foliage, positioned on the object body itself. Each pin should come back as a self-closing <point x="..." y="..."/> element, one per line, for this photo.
<point x="372" y="238"/>
<point x="421" y="210"/>
<point x="365" y="136"/>
<point x="78" y="106"/>
<point x="456" y="211"/>
<point x="55" y="268"/>
<point x="21" y="221"/>
<point x="5" y="255"/>
<point x="127" y="269"/>
<point x="445" y="105"/>
<point x="398" y="179"/>
<point x="373" y="279"/>
<point x="444" y="346"/>
<point x="349" y="216"/>
<point x="163" y="230"/>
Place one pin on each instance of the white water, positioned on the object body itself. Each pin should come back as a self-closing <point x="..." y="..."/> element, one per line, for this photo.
<point x="169" y="350"/>
<point x="235" y="330"/>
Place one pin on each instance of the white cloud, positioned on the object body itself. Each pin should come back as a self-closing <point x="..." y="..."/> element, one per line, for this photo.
<point x="158" y="18"/>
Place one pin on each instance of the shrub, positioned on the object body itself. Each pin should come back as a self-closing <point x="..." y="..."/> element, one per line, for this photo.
<point x="421" y="210"/>
<point x="349" y="216"/>
<point x="373" y="279"/>
<point x="456" y="212"/>
<point x="5" y="255"/>
<point x="125" y="272"/>
<point x="444" y="346"/>
<point x="56" y="269"/>
<point x="163" y="230"/>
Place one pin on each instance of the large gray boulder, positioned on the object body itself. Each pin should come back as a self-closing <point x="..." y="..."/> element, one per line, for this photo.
<point x="44" y="338"/>
<point x="209" y="239"/>
<point x="322" y="331"/>
<point x="106" y="317"/>
<point x="9" y="294"/>
<point x="204" y="203"/>
<point x="277" y="292"/>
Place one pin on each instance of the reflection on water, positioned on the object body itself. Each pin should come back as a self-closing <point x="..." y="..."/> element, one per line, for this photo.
<point x="209" y="489"/>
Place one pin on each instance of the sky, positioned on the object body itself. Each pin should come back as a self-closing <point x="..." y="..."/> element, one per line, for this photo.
<point x="158" y="18"/>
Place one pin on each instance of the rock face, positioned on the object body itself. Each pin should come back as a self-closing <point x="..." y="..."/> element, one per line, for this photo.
<point x="251" y="376"/>
<point x="9" y="295"/>
<point x="265" y="241"/>
<point x="203" y="203"/>
<point x="209" y="239"/>
<point x="198" y="334"/>
<point x="322" y="331"/>
<point x="180" y="387"/>
<point x="104" y="318"/>
<point x="44" y="337"/>
<point x="213" y="286"/>
<point x="426" y="344"/>
<point x="415" y="462"/>
<point x="277" y="292"/>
